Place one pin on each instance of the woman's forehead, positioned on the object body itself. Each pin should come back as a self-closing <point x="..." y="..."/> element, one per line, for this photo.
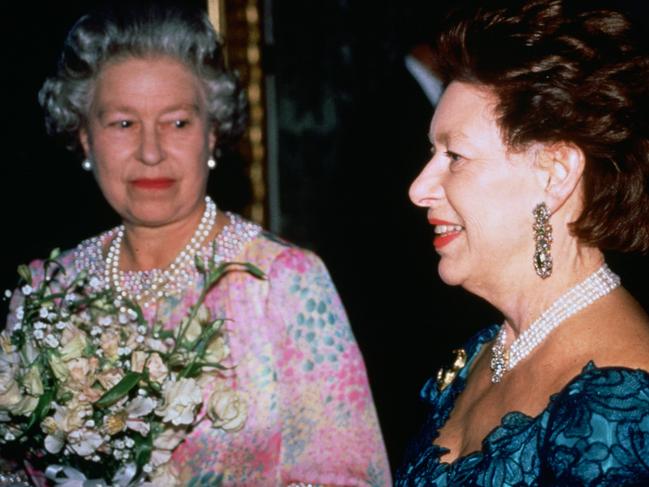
<point x="464" y="112"/>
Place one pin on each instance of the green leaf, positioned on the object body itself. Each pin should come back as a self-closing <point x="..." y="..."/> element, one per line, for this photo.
<point x="255" y="271"/>
<point x="200" y="264"/>
<point x="42" y="408"/>
<point x="25" y="274"/>
<point x="215" y="365"/>
<point x="225" y="267"/>
<point x="120" y="389"/>
<point x="54" y="254"/>
<point x="143" y="447"/>
<point x="192" y="370"/>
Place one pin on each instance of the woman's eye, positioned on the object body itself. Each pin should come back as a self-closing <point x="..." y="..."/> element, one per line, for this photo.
<point x="122" y="124"/>
<point x="453" y="157"/>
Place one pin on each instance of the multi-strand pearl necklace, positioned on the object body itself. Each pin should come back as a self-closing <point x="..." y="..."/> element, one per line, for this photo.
<point x="598" y="284"/>
<point x="153" y="284"/>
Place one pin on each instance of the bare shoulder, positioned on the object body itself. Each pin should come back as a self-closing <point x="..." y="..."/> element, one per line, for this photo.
<point x="612" y="332"/>
<point x="621" y="335"/>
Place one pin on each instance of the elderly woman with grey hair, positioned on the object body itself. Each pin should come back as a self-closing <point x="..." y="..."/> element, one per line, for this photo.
<point x="143" y="94"/>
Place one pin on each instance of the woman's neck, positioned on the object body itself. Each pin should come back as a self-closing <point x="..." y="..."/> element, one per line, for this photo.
<point x="146" y="248"/>
<point x="523" y="300"/>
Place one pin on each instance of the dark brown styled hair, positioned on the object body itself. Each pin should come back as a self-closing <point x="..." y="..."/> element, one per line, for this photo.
<point x="575" y="71"/>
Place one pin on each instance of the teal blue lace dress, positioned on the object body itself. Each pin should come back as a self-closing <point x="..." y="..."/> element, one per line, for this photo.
<point x="594" y="432"/>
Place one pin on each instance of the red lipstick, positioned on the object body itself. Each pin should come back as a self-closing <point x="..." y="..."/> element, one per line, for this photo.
<point x="442" y="240"/>
<point x="436" y="221"/>
<point x="153" y="183"/>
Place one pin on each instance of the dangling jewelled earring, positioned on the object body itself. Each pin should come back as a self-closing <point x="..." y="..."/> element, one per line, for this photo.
<point x="211" y="163"/>
<point x="543" y="241"/>
<point x="86" y="165"/>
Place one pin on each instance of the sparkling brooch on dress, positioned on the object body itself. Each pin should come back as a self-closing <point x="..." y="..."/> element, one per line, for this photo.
<point x="446" y="376"/>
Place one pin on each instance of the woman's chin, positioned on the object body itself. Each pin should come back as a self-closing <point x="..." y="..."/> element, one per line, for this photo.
<point x="449" y="273"/>
<point x="151" y="219"/>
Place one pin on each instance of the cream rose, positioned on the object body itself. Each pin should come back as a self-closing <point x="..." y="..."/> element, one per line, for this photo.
<point x="58" y="367"/>
<point x="181" y="398"/>
<point x="217" y="350"/>
<point x="74" y="343"/>
<point x="195" y="327"/>
<point x="138" y="359"/>
<point x="158" y="371"/>
<point x="9" y="389"/>
<point x="110" y="378"/>
<point x="227" y="409"/>
<point x="109" y="343"/>
<point x="82" y="370"/>
<point x="32" y="381"/>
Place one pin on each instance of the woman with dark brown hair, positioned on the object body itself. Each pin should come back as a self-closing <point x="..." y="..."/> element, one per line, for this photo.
<point x="540" y="162"/>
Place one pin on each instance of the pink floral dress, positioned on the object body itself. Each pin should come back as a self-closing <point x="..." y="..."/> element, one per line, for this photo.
<point x="310" y="416"/>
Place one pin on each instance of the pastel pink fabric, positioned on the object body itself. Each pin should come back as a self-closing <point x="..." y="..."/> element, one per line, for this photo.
<point x="311" y="416"/>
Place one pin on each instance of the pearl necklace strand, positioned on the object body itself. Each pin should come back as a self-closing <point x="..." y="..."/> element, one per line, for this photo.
<point x="158" y="279"/>
<point x="598" y="284"/>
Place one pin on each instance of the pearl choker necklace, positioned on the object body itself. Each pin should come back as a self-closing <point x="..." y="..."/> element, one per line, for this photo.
<point x="152" y="284"/>
<point x="598" y="284"/>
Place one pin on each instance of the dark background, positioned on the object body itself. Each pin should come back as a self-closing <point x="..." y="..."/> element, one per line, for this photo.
<point x="351" y="131"/>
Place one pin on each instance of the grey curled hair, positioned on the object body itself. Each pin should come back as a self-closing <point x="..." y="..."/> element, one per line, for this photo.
<point x="144" y="31"/>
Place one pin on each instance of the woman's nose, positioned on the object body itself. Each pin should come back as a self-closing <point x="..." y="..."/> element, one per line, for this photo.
<point x="427" y="188"/>
<point x="151" y="151"/>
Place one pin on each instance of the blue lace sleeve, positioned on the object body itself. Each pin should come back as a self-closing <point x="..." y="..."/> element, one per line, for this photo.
<point x="598" y="430"/>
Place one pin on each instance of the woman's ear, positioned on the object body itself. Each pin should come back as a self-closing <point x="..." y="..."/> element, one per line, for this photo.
<point x="561" y="167"/>
<point x="212" y="138"/>
<point x="84" y="139"/>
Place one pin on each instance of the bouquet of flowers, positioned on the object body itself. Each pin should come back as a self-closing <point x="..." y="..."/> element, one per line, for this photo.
<point x="88" y="390"/>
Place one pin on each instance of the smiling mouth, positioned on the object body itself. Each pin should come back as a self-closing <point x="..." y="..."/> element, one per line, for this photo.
<point x="445" y="234"/>
<point x="447" y="229"/>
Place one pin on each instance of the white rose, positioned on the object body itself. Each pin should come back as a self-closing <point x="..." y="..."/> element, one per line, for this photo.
<point x="57" y="365"/>
<point x="195" y="327"/>
<point x="74" y="343"/>
<point x="217" y="350"/>
<point x="24" y="407"/>
<point x="227" y="409"/>
<point x="9" y="390"/>
<point x="181" y="399"/>
<point x="32" y="381"/>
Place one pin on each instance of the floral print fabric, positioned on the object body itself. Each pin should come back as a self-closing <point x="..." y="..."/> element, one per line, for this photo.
<point x="310" y="414"/>
<point x="594" y="432"/>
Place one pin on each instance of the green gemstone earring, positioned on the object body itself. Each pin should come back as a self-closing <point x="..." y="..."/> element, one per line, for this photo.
<point x="543" y="241"/>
